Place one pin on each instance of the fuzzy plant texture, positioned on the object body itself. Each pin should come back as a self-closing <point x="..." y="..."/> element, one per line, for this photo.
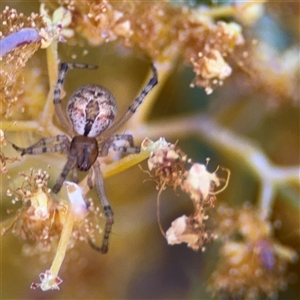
<point x="207" y="206"/>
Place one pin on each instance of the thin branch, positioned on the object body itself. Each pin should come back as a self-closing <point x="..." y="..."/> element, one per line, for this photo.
<point x="46" y="117"/>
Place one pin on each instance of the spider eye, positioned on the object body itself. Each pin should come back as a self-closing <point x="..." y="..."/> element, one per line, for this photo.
<point x="91" y="110"/>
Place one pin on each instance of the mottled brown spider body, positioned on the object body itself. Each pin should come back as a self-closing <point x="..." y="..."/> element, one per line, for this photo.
<point x="91" y="110"/>
<point x="86" y="151"/>
<point x="83" y="152"/>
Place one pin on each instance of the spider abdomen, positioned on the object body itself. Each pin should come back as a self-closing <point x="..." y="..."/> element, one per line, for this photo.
<point x="91" y="110"/>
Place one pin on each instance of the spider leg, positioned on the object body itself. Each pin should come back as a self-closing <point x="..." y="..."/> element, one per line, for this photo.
<point x="125" y="149"/>
<point x="108" y="143"/>
<point x="69" y="165"/>
<point x="99" y="183"/>
<point x="90" y="179"/>
<point x="134" y="106"/>
<point x="44" y="145"/>
<point x="57" y="92"/>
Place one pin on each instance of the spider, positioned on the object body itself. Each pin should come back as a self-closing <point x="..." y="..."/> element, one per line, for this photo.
<point x="91" y="110"/>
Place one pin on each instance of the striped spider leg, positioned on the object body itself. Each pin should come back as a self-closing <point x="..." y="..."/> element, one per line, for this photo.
<point x="91" y="111"/>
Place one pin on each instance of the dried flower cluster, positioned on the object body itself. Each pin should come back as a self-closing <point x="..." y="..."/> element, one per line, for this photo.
<point x="48" y="224"/>
<point x="208" y="53"/>
<point x="41" y="218"/>
<point x="252" y="264"/>
<point x="24" y="101"/>
<point x="19" y="40"/>
<point x="162" y="31"/>
<point x="56" y="25"/>
<point x="3" y="158"/>
<point x="48" y="281"/>
<point x="77" y="226"/>
<point x="166" y="164"/>
<point x="167" y="168"/>
<point x="281" y="85"/>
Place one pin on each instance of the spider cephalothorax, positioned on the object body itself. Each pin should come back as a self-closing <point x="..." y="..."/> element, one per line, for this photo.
<point x="91" y="110"/>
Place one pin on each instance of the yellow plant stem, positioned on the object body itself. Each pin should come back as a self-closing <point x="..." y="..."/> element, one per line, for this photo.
<point x="46" y="121"/>
<point x="8" y="223"/>
<point x="118" y="167"/>
<point x="124" y="164"/>
<point x="219" y="11"/>
<point x="19" y="125"/>
<point x="63" y="242"/>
